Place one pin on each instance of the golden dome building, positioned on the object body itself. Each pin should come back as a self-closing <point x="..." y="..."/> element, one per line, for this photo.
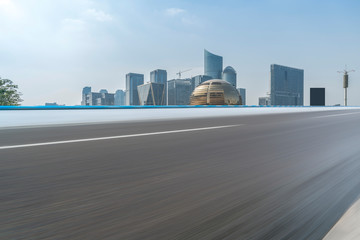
<point x="215" y="92"/>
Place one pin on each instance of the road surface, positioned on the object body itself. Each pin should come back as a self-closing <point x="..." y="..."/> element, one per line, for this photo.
<point x="281" y="176"/>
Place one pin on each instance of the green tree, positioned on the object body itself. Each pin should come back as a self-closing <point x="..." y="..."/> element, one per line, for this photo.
<point x="9" y="95"/>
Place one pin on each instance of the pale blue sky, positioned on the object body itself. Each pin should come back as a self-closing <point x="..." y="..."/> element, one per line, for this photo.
<point x="52" y="49"/>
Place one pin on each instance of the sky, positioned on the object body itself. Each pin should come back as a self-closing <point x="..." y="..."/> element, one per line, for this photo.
<point x="52" y="49"/>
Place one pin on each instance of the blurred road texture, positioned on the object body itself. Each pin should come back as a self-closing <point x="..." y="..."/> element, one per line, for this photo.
<point x="281" y="176"/>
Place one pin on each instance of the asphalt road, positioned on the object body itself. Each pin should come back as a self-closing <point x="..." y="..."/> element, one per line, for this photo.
<point x="283" y="176"/>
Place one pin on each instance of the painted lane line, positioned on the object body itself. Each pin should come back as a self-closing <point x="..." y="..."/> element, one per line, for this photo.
<point x="116" y="137"/>
<point x="335" y="115"/>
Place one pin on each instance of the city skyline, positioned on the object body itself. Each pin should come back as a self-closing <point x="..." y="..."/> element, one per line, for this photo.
<point x="72" y="44"/>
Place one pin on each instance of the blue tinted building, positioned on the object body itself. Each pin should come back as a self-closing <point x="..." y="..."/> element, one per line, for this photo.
<point x="179" y="91"/>
<point x="119" y="98"/>
<point x="242" y="92"/>
<point x="229" y="75"/>
<point x="160" y="76"/>
<point x="132" y="81"/>
<point x="213" y="65"/>
<point x="287" y="86"/>
<point x="85" y="93"/>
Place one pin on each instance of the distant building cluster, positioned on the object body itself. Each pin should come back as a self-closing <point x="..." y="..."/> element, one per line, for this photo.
<point x="286" y="88"/>
<point x="160" y="90"/>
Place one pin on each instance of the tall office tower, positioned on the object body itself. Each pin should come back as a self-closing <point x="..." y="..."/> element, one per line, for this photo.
<point x="103" y="91"/>
<point x="85" y="92"/>
<point x="152" y="94"/>
<point x="160" y="76"/>
<point x="197" y="80"/>
<point x="119" y="98"/>
<point x="213" y="65"/>
<point x="179" y="91"/>
<point x="287" y="86"/>
<point x="229" y="75"/>
<point x="242" y="92"/>
<point x="317" y="96"/>
<point x="132" y="81"/>
<point x="264" y="101"/>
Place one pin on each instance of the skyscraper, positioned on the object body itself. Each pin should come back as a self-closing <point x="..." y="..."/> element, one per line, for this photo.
<point x="287" y="86"/>
<point x="132" y="81"/>
<point x="213" y="65"/>
<point x="119" y="98"/>
<point x="242" y="92"/>
<point x="229" y="75"/>
<point x="160" y="76"/>
<point x="151" y="93"/>
<point x="317" y="96"/>
<point x="179" y="91"/>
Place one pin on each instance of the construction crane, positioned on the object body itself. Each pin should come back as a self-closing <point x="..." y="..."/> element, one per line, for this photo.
<point x="345" y="82"/>
<point x="180" y="72"/>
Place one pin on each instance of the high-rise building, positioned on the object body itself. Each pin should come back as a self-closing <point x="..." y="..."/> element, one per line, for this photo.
<point x="287" y="86"/>
<point x="317" y="96"/>
<point x="160" y="76"/>
<point x="179" y="91"/>
<point x="213" y="65"/>
<point x="103" y="91"/>
<point x="85" y="92"/>
<point x="197" y="80"/>
<point x="152" y="94"/>
<point x="119" y="98"/>
<point x="264" y="101"/>
<point x="229" y="75"/>
<point x="132" y="81"/>
<point x="242" y="92"/>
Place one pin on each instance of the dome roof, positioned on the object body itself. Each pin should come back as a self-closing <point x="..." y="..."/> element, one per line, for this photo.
<point x="229" y="69"/>
<point x="215" y="92"/>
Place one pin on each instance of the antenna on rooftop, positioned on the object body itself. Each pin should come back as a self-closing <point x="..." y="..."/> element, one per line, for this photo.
<point x="180" y="72"/>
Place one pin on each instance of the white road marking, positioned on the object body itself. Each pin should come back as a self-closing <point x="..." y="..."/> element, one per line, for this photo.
<point x="116" y="137"/>
<point x="335" y="115"/>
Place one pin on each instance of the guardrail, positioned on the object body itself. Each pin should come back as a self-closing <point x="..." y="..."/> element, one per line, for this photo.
<point x="144" y="107"/>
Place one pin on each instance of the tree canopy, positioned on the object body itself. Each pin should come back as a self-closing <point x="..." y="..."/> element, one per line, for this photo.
<point x="9" y="95"/>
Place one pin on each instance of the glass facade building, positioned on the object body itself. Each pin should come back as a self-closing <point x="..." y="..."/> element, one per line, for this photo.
<point x="179" y="91"/>
<point x="242" y="92"/>
<point x="213" y="65"/>
<point x="215" y="92"/>
<point x="160" y="76"/>
<point x="151" y="94"/>
<point x="229" y="75"/>
<point x="287" y="86"/>
<point x="119" y="98"/>
<point x="85" y="92"/>
<point x="133" y="80"/>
